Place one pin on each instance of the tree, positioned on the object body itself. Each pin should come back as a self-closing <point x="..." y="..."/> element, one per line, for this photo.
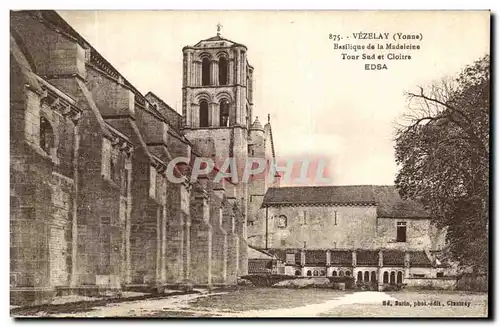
<point x="443" y="153"/>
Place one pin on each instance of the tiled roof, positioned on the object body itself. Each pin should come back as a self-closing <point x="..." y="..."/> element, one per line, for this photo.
<point x="419" y="259"/>
<point x="259" y="266"/>
<point x="366" y="258"/>
<point x="315" y="257"/>
<point x="340" y="258"/>
<point x="386" y="198"/>
<point x="394" y="258"/>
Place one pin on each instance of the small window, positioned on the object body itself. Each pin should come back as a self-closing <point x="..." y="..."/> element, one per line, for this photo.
<point x="309" y="273"/>
<point x="360" y="276"/>
<point x="348" y="273"/>
<point x="374" y="276"/>
<point x="335" y="217"/>
<point x="282" y="242"/>
<point x="304" y="218"/>
<point x="367" y="276"/>
<point x="386" y="277"/>
<point x="341" y="273"/>
<point x="46" y="135"/>
<point x="334" y="273"/>
<point x="401" y="231"/>
<point x="316" y="273"/>
<point x="419" y="275"/>
<point x="282" y="221"/>
<point x="440" y="274"/>
<point x="297" y="272"/>
<point x="323" y="273"/>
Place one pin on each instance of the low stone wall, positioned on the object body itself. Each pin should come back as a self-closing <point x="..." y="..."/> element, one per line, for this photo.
<point x="444" y="283"/>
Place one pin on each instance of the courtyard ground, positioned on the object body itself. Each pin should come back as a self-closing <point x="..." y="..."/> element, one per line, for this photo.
<point x="272" y="302"/>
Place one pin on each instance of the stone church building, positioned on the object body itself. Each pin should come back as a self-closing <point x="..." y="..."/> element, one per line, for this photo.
<point x="92" y="209"/>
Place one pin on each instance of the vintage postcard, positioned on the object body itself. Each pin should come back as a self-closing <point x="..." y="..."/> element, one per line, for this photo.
<point x="249" y="164"/>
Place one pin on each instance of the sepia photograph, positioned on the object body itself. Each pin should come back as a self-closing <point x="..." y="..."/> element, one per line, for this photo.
<point x="250" y="164"/>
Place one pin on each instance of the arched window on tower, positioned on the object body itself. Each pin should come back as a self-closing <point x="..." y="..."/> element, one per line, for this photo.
<point x="205" y="71"/>
<point x="203" y="113"/>
<point x="46" y="135"/>
<point x="224" y="113"/>
<point x="223" y="71"/>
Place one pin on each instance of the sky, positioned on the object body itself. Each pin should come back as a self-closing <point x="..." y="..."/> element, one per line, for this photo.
<point x="320" y="105"/>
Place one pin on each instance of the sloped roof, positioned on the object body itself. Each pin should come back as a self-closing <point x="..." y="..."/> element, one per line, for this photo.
<point x="217" y="38"/>
<point x="367" y="258"/>
<point x="386" y="198"/>
<point x="394" y="258"/>
<point x="343" y="258"/>
<point x="315" y="257"/>
<point x="259" y="266"/>
<point x="419" y="259"/>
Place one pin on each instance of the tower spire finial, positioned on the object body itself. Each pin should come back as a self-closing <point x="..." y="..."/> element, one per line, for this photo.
<point x="219" y="28"/>
<point x="268" y="118"/>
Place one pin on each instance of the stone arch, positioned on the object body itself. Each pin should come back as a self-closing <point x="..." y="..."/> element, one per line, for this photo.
<point x="222" y="53"/>
<point x="360" y="276"/>
<point x="392" y="279"/>
<point x="309" y="273"/>
<point x="224" y="96"/>
<point x="203" y="96"/>
<point x="366" y="276"/>
<point x="386" y="277"/>
<point x="374" y="276"/>
<point x="399" y="279"/>
<point x="334" y="273"/>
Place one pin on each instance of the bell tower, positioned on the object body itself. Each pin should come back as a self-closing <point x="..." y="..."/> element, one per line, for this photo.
<point x="217" y="84"/>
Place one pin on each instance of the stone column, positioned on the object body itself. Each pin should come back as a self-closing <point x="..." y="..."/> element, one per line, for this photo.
<point x="201" y="236"/>
<point x="302" y="257"/>
<point x="354" y="258"/>
<point x="219" y="237"/>
<point x="231" y="72"/>
<point x="243" y="245"/>
<point x="215" y="72"/>
<point x="175" y="243"/>
<point x="407" y="265"/>
<point x="197" y="72"/>
<point x="228" y="218"/>
<point x="328" y="258"/>
<point x="379" y="270"/>
<point x="214" y="114"/>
